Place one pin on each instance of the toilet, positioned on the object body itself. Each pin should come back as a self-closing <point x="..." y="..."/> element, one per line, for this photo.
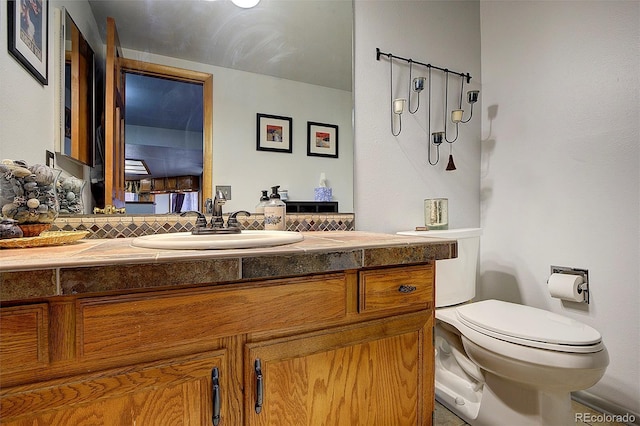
<point x="500" y="363"/>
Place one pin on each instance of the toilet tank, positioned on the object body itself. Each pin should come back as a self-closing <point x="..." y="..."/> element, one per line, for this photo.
<point x="455" y="278"/>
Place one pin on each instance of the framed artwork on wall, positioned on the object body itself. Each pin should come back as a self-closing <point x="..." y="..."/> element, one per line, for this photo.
<point x="322" y="139"/>
<point x="28" y="41"/>
<point x="274" y="133"/>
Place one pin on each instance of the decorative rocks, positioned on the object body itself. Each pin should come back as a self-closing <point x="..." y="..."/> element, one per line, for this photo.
<point x="9" y="229"/>
<point x="70" y="195"/>
<point x="28" y="193"/>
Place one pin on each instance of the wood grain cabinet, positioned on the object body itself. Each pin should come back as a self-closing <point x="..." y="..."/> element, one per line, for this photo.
<point x="348" y="348"/>
<point x="373" y="373"/>
<point x="168" y="392"/>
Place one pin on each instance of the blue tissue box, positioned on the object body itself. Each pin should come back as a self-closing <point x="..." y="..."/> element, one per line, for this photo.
<point x="322" y="194"/>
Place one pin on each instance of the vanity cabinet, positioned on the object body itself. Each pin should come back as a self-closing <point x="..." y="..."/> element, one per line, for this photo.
<point x="169" y="392"/>
<point x="346" y="348"/>
<point x="374" y="373"/>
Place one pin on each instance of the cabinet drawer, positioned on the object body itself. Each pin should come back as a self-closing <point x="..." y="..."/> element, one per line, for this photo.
<point x="396" y="288"/>
<point x="138" y="323"/>
<point x="24" y="342"/>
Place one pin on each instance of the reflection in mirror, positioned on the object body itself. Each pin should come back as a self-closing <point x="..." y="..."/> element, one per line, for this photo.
<point x="77" y="124"/>
<point x="288" y="58"/>
<point x="164" y="123"/>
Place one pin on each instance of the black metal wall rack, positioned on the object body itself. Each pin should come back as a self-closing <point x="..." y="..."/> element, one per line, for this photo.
<point x="409" y="60"/>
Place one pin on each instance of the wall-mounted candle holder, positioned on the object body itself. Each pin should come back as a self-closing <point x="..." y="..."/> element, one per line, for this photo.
<point x="472" y="98"/>
<point x="398" y="106"/>
<point x="437" y="137"/>
<point x="417" y="85"/>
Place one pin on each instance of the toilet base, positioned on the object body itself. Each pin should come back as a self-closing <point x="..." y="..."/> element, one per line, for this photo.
<point x="503" y="402"/>
<point x="481" y="397"/>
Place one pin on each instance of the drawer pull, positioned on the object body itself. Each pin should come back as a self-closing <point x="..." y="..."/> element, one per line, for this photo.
<point x="407" y="288"/>
<point x="215" y="396"/>
<point x="259" y="386"/>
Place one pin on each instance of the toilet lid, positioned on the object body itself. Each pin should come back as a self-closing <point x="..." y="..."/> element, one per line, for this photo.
<point x="526" y="325"/>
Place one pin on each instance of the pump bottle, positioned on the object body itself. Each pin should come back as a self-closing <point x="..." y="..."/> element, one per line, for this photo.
<point x="275" y="212"/>
<point x="264" y="200"/>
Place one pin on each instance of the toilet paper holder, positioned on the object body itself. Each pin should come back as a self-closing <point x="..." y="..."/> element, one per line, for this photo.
<point x="584" y="273"/>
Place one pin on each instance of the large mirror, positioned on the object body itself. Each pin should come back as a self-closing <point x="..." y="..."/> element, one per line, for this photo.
<point x="283" y="57"/>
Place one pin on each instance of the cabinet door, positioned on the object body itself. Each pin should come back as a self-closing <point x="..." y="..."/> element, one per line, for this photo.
<point x="24" y="339"/>
<point x="171" y="392"/>
<point x="374" y="373"/>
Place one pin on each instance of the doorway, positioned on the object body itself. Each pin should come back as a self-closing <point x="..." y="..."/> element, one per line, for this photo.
<point x="168" y="129"/>
<point x="163" y="140"/>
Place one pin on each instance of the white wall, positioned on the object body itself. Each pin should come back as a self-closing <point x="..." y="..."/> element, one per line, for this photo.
<point x="560" y="161"/>
<point x="393" y="176"/>
<point x="27" y="121"/>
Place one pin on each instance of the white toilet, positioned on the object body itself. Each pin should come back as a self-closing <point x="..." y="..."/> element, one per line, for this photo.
<point x="500" y="363"/>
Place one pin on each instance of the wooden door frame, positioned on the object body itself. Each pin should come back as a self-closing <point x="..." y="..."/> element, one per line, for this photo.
<point x="181" y="74"/>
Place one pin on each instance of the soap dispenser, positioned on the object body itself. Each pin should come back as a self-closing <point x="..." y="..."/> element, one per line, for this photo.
<point x="275" y="212"/>
<point x="264" y="200"/>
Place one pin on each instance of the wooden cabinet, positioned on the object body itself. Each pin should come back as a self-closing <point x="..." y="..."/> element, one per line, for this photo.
<point x="174" y="392"/>
<point x="24" y="338"/>
<point x="348" y="348"/>
<point x="145" y="185"/>
<point x="374" y="373"/>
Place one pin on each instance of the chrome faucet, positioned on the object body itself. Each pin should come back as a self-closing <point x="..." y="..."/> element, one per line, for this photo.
<point x="218" y="201"/>
<point x="216" y="226"/>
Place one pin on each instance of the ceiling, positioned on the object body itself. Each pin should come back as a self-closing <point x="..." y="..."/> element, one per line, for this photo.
<point x="279" y="38"/>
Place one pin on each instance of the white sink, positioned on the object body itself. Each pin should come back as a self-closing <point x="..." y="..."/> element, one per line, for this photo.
<point x="246" y="239"/>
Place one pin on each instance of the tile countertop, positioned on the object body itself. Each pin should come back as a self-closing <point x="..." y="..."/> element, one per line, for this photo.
<point x="93" y="266"/>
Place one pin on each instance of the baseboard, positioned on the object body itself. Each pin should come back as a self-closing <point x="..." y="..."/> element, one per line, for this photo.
<point x="605" y="406"/>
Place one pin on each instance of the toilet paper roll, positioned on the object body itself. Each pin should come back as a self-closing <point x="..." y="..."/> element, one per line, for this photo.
<point x="565" y="287"/>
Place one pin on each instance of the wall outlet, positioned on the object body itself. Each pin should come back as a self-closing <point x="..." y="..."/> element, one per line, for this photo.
<point x="226" y="190"/>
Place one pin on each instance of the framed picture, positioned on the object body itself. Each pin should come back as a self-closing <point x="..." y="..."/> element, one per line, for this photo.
<point x="274" y="133"/>
<point x="322" y="139"/>
<point x="28" y="22"/>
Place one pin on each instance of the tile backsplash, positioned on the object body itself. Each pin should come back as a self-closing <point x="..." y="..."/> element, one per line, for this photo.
<point x="125" y="226"/>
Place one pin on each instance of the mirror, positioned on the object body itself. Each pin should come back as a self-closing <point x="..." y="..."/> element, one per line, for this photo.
<point x="77" y="121"/>
<point x="279" y="58"/>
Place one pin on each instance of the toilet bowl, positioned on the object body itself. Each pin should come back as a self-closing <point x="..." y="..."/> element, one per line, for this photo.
<point x="500" y="363"/>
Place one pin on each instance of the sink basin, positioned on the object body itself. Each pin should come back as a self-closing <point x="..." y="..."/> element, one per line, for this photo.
<point x="246" y="239"/>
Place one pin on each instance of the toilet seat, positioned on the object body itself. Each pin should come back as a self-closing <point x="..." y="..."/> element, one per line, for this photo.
<point x="529" y="326"/>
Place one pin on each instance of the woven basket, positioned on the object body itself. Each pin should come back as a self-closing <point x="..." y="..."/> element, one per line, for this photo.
<point x="46" y="238"/>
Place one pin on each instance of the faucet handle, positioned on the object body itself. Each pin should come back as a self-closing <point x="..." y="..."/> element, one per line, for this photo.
<point x="232" y="222"/>
<point x="201" y="221"/>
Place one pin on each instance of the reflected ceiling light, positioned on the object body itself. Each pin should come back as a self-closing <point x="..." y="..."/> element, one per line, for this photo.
<point x="135" y="167"/>
<point x="245" y="4"/>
